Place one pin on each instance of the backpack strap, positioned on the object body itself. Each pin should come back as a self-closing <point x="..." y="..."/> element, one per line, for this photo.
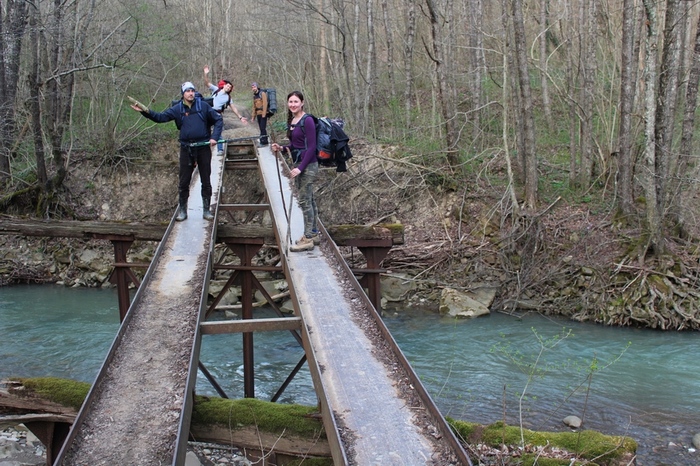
<point x="301" y="123"/>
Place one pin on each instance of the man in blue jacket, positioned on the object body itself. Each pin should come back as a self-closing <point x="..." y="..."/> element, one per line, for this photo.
<point x="194" y="118"/>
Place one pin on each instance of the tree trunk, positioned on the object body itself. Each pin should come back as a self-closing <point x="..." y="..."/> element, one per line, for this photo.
<point x="478" y="63"/>
<point x="666" y="103"/>
<point x="356" y="66"/>
<point x="588" y="37"/>
<point x="389" y="49"/>
<point x="628" y="82"/>
<point x="34" y="103"/>
<point x="408" y="64"/>
<point x="371" y="63"/>
<point x="12" y="25"/>
<point x="544" y="75"/>
<point x="649" y="174"/>
<point x="686" y="146"/>
<point x="443" y="89"/>
<point x="571" y="104"/>
<point x="530" y="155"/>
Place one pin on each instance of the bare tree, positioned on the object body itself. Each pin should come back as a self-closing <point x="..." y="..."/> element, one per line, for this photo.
<point x="667" y="98"/>
<point x="688" y="129"/>
<point x="34" y="101"/>
<point x="408" y="59"/>
<point x="530" y="155"/>
<point x="12" y="25"/>
<point x="477" y="59"/>
<point x="371" y="60"/>
<point x="587" y="57"/>
<point x="570" y="102"/>
<point x="544" y="75"/>
<point x="443" y="91"/>
<point x="386" y="17"/>
<point x="628" y="80"/>
<point x="649" y="175"/>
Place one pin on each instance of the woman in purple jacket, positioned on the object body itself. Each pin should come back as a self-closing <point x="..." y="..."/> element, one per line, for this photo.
<point x="302" y="145"/>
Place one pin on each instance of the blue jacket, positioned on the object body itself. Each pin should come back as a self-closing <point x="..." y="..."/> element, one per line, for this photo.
<point x="193" y="122"/>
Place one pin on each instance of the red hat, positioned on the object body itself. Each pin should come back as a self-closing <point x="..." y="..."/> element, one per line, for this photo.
<point x="222" y="83"/>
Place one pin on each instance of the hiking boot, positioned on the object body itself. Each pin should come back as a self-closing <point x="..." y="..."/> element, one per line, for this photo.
<point x="263" y="140"/>
<point x="303" y="244"/>
<point x="206" y="213"/>
<point x="181" y="212"/>
<point x="316" y="237"/>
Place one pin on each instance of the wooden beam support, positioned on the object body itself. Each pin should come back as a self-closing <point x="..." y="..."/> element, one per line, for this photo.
<point x="250" y="325"/>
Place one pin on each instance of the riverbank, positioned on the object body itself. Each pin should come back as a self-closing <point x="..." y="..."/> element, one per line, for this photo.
<point x="572" y="259"/>
<point x="19" y="447"/>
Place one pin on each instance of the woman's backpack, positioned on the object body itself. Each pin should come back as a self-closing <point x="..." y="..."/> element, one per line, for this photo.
<point x="332" y="148"/>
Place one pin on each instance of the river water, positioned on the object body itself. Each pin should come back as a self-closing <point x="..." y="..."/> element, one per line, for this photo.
<point x="534" y="370"/>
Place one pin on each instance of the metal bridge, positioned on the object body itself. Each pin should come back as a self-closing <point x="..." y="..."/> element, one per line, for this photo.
<point x="375" y="410"/>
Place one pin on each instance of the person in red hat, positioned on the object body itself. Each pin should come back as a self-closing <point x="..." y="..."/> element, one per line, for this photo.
<point x="222" y="99"/>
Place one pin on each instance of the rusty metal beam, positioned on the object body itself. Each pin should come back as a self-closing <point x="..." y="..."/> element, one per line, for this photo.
<point x="246" y="253"/>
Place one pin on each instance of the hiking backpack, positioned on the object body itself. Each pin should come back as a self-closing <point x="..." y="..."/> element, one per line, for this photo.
<point x="271" y="101"/>
<point x="332" y="149"/>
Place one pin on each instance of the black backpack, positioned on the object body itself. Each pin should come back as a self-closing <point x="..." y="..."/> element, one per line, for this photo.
<point x="332" y="148"/>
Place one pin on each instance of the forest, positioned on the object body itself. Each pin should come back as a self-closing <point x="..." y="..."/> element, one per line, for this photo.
<point x="582" y="101"/>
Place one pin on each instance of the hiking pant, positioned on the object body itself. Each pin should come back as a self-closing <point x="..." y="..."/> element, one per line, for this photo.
<point x="305" y="188"/>
<point x="189" y="158"/>
<point x="262" y="123"/>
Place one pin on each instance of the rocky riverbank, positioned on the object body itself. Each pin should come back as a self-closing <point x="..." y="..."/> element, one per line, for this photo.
<point x="20" y="447"/>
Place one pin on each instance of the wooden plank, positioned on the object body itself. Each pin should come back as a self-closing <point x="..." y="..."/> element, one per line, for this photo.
<point x="80" y="229"/>
<point x="251" y="325"/>
<point x="245" y="231"/>
<point x="343" y="235"/>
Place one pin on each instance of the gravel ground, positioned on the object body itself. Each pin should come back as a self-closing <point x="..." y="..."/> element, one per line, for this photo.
<point x="19" y="447"/>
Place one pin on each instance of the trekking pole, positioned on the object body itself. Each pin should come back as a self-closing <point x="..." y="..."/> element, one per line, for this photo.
<point x="279" y="179"/>
<point x="289" y="216"/>
<point x="220" y="141"/>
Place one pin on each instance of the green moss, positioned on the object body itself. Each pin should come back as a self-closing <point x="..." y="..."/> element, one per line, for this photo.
<point x="529" y="459"/>
<point x="65" y="392"/>
<point x="395" y="228"/>
<point x="587" y="444"/>
<point x="266" y="416"/>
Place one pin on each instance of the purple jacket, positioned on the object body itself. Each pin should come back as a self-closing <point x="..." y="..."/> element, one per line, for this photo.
<point x="304" y="138"/>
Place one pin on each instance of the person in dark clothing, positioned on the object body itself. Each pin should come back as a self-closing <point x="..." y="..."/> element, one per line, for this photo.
<point x="194" y="118"/>
<point x="260" y="106"/>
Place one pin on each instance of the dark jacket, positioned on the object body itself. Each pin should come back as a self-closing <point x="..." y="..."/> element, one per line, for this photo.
<point x="193" y="122"/>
